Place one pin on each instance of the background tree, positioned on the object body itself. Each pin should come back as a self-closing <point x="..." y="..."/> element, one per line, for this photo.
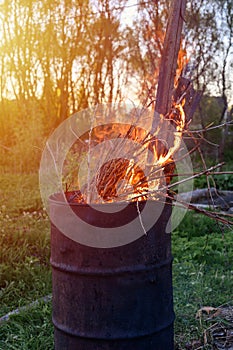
<point x="145" y="42"/>
<point x="103" y="68"/>
<point x="57" y="57"/>
<point x="225" y="79"/>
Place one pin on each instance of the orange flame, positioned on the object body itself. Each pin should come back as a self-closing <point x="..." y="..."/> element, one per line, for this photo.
<point x="120" y="172"/>
<point x="123" y="179"/>
<point x="182" y="62"/>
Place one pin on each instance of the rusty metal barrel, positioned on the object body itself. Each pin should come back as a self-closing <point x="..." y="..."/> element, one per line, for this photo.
<point x="112" y="298"/>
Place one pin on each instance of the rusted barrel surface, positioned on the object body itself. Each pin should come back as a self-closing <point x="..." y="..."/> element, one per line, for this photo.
<point x="115" y="298"/>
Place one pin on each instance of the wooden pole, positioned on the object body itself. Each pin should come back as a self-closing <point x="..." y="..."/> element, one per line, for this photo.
<point x="169" y="58"/>
<point x="167" y="71"/>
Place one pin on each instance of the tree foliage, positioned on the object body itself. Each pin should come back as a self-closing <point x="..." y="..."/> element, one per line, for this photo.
<point x="57" y="57"/>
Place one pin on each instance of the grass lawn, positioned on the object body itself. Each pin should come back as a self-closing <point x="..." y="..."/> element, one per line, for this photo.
<point x="25" y="273"/>
<point x="202" y="269"/>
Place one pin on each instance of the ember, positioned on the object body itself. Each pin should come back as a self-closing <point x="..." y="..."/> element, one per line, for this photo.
<point x="115" y="173"/>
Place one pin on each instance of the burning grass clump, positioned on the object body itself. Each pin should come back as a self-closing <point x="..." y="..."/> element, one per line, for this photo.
<point x="127" y="154"/>
<point x="119" y="161"/>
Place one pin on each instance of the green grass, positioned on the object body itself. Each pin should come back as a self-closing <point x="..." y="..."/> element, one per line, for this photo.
<point x="202" y="268"/>
<point x="25" y="273"/>
<point x="202" y="273"/>
<point x="31" y="330"/>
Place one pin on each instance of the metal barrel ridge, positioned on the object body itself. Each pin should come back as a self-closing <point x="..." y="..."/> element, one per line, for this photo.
<point x="113" y="298"/>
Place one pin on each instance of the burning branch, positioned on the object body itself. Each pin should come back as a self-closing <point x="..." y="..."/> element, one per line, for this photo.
<point x="168" y="65"/>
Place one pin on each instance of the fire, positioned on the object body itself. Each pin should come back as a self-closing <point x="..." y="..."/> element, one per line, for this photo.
<point x="118" y="173"/>
<point x="182" y="62"/>
<point x="133" y="177"/>
<point x="139" y="173"/>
